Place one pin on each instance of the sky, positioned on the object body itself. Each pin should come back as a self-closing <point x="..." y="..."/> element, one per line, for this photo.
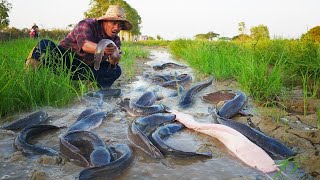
<point x="172" y="19"/>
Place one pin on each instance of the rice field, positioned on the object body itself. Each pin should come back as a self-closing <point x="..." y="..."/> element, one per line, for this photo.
<point x="266" y="69"/>
<point x="23" y="90"/>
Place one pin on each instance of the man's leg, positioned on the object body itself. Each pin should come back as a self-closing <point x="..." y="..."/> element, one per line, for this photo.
<point x="45" y="52"/>
<point x="106" y="75"/>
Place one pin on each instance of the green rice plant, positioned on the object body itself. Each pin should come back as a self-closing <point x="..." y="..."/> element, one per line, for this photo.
<point x="284" y="164"/>
<point x="318" y="115"/>
<point x="302" y="57"/>
<point x="262" y="80"/>
<point x="132" y="53"/>
<point x="315" y="85"/>
<point x="210" y="58"/>
<point x="177" y="84"/>
<point x="305" y="78"/>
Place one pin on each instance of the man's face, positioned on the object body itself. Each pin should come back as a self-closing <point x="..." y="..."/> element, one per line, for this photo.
<point x="112" y="28"/>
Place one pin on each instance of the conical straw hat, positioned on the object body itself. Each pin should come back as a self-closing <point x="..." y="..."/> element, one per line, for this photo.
<point x="116" y="13"/>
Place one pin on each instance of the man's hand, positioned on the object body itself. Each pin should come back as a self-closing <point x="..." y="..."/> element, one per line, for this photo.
<point x="113" y="61"/>
<point x="115" y="57"/>
<point x="110" y="49"/>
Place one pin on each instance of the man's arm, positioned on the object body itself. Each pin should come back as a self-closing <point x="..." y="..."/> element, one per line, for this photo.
<point x="90" y="47"/>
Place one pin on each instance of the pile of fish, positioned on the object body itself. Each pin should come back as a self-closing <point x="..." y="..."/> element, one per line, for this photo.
<point x="89" y="150"/>
<point x="78" y="144"/>
<point x="150" y="132"/>
<point x="155" y="125"/>
<point x="31" y="126"/>
<point x="244" y="141"/>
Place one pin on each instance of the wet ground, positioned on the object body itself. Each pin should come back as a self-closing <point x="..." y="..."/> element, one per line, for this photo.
<point x="291" y="128"/>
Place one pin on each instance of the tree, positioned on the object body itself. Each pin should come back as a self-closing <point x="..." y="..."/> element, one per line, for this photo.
<point x="242" y="28"/>
<point x="4" y="14"/>
<point x="99" y="8"/>
<point x="242" y="33"/>
<point x="259" y="32"/>
<point x="209" y="36"/>
<point x="241" y="37"/>
<point x="224" y="38"/>
<point x="313" y="34"/>
<point x="159" y="37"/>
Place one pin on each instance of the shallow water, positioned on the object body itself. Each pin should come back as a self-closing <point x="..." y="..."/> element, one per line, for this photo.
<point x="14" y="165"/>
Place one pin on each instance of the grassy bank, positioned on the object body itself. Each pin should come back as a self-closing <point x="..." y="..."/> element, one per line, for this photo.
<point x="23" y="90"/>
<point x="264" y="69"/>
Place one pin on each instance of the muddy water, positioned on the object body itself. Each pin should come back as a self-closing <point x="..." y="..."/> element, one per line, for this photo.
<point x="223" y="165"/>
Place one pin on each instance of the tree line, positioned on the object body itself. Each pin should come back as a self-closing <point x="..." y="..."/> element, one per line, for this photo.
<point x="99" y="7"/>
<point x="260" y="32"/>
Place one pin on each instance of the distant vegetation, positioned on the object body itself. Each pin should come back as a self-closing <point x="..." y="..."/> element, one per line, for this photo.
<point x="13" y="33"/>
<point x="154" y="43"/>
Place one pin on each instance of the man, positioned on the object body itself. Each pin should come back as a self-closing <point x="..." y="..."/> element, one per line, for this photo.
<point x="34" y="32"/>
<point x="82" y="43"/>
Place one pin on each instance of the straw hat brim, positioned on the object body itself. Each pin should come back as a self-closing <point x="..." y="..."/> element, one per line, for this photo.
<point x="126" y="26"/>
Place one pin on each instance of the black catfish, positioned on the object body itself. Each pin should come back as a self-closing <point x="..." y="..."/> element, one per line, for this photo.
<point x="182" y="79"/>
<point x="138" y="110"/>
<point x="148" y="124"/>
<point x="21" y="142"/>
<point x="272" y="146"/>
<point x="186" y="98"/>
<point x="104" y="93"/>
<point x="140" y="140"/>
<point x="162" y="133"/>
<point x="85" y="147"/>
<point x="99" y="53"/>
<point x="147" y="99"/>
<point x="143" y="106"/>
<point x="89" y="122"/>
<point x="112" y="169"/>
<point x="85" y="113"/>
<point x="233" y="106"/>
<point x="38" y="117"/>
<point x="168" y="65"/>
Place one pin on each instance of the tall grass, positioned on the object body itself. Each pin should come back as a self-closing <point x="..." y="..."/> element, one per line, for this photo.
<point x="23" y="90"/>
<point x="132" y="53"/>
<point x="216" y="59"/>
<point x="260" y="70"/>
<point x="285" y="164"/>
<point x="264" y="69"/>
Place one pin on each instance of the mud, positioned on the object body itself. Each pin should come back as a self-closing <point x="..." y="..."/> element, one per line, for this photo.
<point x="289" y="126"/>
